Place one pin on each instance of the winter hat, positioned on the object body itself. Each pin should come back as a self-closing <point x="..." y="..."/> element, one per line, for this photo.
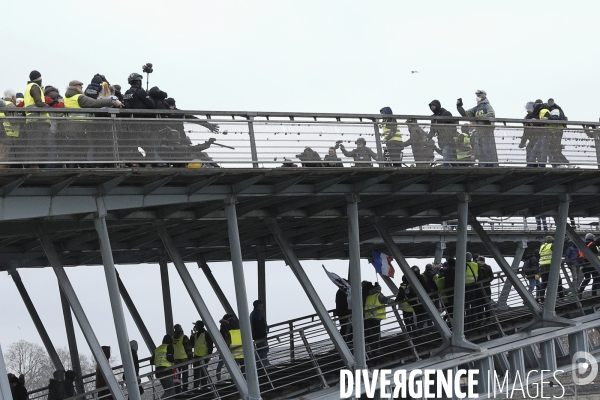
<point x="539" y="101"/>
<point x="75" y="83"/>
<point x="98" y="79"/>
<point x="589" y="236"/>
<point x="20" y="95"/>
<point x="436" y="103"/>
<point x="117" y="87"/>
<point x="35" y="75"/>
<point x="386" y="110"/>
<point x="529" y="106"/>
<point x="134" y="345"/>
<point x="483" y="92"/>
<point x="59" y="375"/>
<point x="171" y="101"/>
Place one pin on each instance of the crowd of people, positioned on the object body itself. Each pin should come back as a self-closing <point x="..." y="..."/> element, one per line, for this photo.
<point x="46" y="141"/>
<point x="172" y="358"/>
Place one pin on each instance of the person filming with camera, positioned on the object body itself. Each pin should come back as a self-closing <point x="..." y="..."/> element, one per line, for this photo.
<point x="362" y="154"/>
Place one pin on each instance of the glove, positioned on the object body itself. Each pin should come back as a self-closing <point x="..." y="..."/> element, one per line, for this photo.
<point x="459" y="102"/>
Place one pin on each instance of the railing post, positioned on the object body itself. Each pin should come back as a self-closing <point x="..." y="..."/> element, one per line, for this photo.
<point x="252" y="141"/>
<point x="313" y="359"/>
<point x="378" y="143"/>
<point x="292" y="347"/>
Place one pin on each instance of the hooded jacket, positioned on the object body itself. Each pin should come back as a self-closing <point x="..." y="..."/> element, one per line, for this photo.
<point x="87" y="102"/>
<point x="258" y="323"/>
<point x="445" y="134"/>
<point x="95" y="87"/>
<point x="159" y="98"/>
<point x="56" y="390"/>
<point x="70" y="377"/>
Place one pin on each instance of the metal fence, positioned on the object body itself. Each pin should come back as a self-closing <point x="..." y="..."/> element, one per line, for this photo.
<point x="116" y="137"/>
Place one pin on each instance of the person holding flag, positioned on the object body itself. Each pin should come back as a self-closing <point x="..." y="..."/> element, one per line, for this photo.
<point x="343" y="305"/>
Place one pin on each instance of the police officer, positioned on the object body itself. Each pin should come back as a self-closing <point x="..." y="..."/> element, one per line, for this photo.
<point x="140" y="134"/>
<point x="163" y="361"/>
<point x="183" y="352"/>
<point x="362" y="154"/>
<point x="203" y="346"/>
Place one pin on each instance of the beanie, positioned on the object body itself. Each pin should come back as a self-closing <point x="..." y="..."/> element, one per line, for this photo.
<point x="589" y="236"/>
<point x="171" y="101"/>
<point x="20" y="95"/>
<point x="35" y="75"/>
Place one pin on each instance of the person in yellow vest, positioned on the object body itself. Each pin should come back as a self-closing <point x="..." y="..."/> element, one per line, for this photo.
<point x="40" y="143"/>
<point x="545" y="261"/>
<point x="472" y="292"/>
<point x="80" y="133"/>
<point x="183" y="352"/>
<point x="11" y="149"/>
<point x="408" y="313"/>
<point x="375" y="312"/>
<point x="235" y="342"/>
<point x="163" y="360"/>
<point x="464" y="150"/>
<point x="392" y="137"/>
<point x="203" y="346"/>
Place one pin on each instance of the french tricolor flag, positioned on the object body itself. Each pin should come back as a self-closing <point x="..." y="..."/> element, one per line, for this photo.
<point x="383" y="264"/>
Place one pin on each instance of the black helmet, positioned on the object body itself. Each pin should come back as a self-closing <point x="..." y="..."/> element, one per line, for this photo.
<point x="415" y="269"/>
<point x="134" y="77"/>
<point x="360" y="140"/>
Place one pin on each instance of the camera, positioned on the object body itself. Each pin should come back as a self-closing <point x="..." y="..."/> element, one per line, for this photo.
<point x="337" y="144"/>
<point x="147" y="68"/>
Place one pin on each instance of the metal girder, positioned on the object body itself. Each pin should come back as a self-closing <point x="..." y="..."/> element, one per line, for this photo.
<point x="63" y="184"/>
<point x="71" y="340"/>
<point x="358" y="329"/>
<point x="557" y="254"/>
<point x="515" y="183"/>
<point x="216" y="288"/>
<point x="116" y="305"/>
<point x="422" y="295"/>
<point x="577" y="186"/>
<point x="503" y="298"/>
<point x="442" y="183"/>
<point x="198" y="185"/>
<point x="84" y="323"/>
<point x="360" y="186"/>
<point x="158" y="183"/>
<point x="322" y="186"/>
<point x="479" y="183"/>
<point x="398" y="186"/>
<point x="5" y="190"/>
<point x="547" y="184"/>
<point x="242" y="300"/>
<point x="213" y="329"/>
<point x="139" y="322"/>
<point x="310" y="291"/>
<point x="281" y="186"/>
<point x="262" y="276"/>
<point x="35" y="317"/>
<point x="548" y="355"/>
<point x="110" y="184"/>
<point x="239" y="187"/>
<point x="511" y="276"/>
<point x="166" y="294"/>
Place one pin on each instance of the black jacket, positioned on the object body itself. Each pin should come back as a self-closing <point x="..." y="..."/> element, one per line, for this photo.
<point x="159" y="97"/>
<point x="445" y="134"/>
<point x="341" y="304"/>
<point x="137" y="99"/>
<point x="258" y="323"/>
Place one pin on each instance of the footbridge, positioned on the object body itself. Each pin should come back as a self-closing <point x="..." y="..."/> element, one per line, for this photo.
<point x="115" y="190"/>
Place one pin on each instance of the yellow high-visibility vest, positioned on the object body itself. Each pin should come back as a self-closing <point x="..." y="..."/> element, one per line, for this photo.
<point x="404" y="306"/>
<point x="472" y="272"/>
<point x="8" y="128"/>
<point x="200" y="346"/>
<point x="180" y="353"/>
<point x="546" y="254"/>
<point x="160" y="356"/>
<point x="30" y="102"/>
<point x="373" y="307"/>
<point x="397" y="136"/>
<point x="236" y="343"/>
<point x="464" y="150"/>
<point x="73" y="102"/>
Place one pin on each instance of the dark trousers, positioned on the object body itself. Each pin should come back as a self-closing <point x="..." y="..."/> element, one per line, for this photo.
<point x="544" y="276"/>
<point x="589" y="273"/>
<point x="471" y="307"/>
<point x="395" y="148"/>
<point x="183" y="378"/>
<point x="372" y="333"/>
<point x="346" y="329"/>
<point x="200" y="373"/>
<point x="165" y="375"/>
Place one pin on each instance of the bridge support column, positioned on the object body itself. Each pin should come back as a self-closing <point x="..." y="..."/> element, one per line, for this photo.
<point x="358" y="330"/>
<point x="137" y="318"/>
<point x="216" y="288"/>
<point x="5" y="393"/>
<point x="262" y="276"/>
<point x="72" y="340"/>
<point x="37" y="321"/>
<point x="211" y="326"/>
<point x="531" y="358"/>
<point x="166" y="294"/>
<point x="578" y="341"/>
<point x="539" y="318"/>
<point x="115" y="303"/>
<point x="486" y="374"/>
<point x="548" y="359"/>
<point x="516" y="362"/>
<point x="422" y="295"/>
<point x="503" y="298"/>
<point x="84" y="323"/>
<point x="310" y="291"/>
<point x="439" y="251"/>
<point x="242" y="299"/>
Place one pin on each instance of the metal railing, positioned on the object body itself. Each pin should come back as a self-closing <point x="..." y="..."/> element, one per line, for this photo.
<point x="112" y="137"/>
<point x="302" y="358"/>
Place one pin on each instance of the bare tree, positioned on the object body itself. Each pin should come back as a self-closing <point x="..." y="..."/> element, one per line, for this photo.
<point x="31" y="360"/>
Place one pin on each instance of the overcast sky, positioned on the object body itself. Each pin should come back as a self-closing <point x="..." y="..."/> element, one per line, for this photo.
<point x="334" y="56"/>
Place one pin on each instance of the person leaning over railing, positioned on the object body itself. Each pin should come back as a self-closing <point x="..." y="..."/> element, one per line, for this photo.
<point x="79" y="134"/>
<point x="362" y="154"/>
<point x="163" y="359"/>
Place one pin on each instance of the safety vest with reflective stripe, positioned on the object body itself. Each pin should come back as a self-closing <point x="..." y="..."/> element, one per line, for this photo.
<point x="464" y="149"/>
<point x="373" y="307"/>
<point x="8" y="128"/>
<point x="180" y="353"/>
<point x="236" y="343"/>
<point x="472" y="272"/>
<point x="404" y="306"/>
<point x="386" y="131"/>
<point x="200" y="346"/>
<point x="30" y="102"/>
<point x="441" y="285"/>
<point x="546" y="254"/>
<point x="160" y="356"/>
<point x="73" y="102"/>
